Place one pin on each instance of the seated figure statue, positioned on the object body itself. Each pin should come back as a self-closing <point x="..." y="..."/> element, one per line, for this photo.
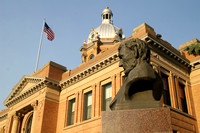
<point x="142" y="86"/>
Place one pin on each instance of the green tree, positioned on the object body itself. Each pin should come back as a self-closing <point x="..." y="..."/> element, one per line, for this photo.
<point x="193" y="49"/>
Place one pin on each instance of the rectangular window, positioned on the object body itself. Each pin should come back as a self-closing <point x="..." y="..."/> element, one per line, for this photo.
<point x="71" y="112"/>
<point x="166" y="94"/>
<point x="107" y="96"/>
<point x="87" y="106"/>
<point x="183" y="98"/>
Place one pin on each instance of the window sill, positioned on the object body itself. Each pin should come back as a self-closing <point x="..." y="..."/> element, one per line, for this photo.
<point x="81" y="123"/>
<point x="179" y="111"/>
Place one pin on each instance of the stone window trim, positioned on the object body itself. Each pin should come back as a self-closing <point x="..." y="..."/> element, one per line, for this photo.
<point x="68" y="98"/>
<point x="25" y="120"/>
<point x="71" y="112"/>
<point x="104" y="93"/>
<point x="187" y="95"/>
<point x="166" y="98"/>
<point x="87" y="105"/>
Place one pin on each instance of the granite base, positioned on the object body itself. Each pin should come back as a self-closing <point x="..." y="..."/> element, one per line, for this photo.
<point x="155" y="120"/>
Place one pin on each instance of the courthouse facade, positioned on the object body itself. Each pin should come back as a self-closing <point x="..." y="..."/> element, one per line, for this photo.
<point x="56" y="100"/>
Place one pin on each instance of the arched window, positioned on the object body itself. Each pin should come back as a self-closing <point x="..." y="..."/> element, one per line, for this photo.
<point x="106" y="16"/>
<point x="28" y="124"/>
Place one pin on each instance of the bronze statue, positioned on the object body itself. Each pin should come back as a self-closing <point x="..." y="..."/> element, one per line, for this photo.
<point x="142" y="87"/>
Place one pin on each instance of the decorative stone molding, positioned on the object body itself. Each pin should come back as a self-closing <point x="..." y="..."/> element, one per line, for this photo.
<point x="17" y="116"/>
<point x="167" y="50"/>
<point x="34" y="104"/>
<point x="195" y="64"/>
<point x="23" y="82"/>
<point x="44" y="82"/>
<point x="3" y="116"/>
<point x="114" y="58"/>
<point x="92" y="69"/>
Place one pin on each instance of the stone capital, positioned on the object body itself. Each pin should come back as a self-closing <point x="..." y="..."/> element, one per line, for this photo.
<point x="16" y="116"/>
<point x="118" y="74"/>
<point x="34" y="104"/>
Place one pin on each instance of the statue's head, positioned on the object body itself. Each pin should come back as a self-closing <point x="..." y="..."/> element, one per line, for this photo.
<point x="132" y="53"/>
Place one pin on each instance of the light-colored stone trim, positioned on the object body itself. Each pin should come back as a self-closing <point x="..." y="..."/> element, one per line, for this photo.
<point x="113" y="58"/>
<point x="3" y="116"/>
<point x="45" y="82"/>
<point x="168" y="51"/>
<point x="92" y="69"/>
<point x="22" y="83"/>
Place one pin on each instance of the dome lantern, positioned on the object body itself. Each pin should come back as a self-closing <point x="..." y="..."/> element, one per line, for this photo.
<point x="107" y="16"/>
<point x="106" y="31"/>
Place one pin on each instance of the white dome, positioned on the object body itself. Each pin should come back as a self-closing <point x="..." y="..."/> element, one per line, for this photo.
<point x="106" y="29"/>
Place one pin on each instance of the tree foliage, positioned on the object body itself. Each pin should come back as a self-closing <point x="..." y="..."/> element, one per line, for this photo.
<point x="193" y="49"/>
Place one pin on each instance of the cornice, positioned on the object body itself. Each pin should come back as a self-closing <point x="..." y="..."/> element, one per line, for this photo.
<point x="44" y="82"/>
<point x="90" y="70"/>
<point x="112" y="58"/>
<point x="3" y="116"/>
<point x="167" y="50"/>
<point x="22" y="83"/>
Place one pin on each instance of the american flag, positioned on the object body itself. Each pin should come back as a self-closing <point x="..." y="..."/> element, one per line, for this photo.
<point x="49" y="32"/>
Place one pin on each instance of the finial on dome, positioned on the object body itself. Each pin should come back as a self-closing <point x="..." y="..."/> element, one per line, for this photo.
<point x="120" y="29"/>
<point x="84" y="41"/>
<point x="107" y="7"/>
<point x="92" y="30"/>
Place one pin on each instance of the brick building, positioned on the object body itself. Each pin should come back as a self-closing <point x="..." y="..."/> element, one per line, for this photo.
<point x="54" y="99"/>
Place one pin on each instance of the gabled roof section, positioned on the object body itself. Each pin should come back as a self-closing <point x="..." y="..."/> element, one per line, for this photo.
<point x="21" y="85"/>
<point x="27" y="86"/>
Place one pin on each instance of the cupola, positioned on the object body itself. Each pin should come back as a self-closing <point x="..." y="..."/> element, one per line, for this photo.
<point x="106" y="31"/>
<point x="107" y="16"/>
<point x="105" y="35"/>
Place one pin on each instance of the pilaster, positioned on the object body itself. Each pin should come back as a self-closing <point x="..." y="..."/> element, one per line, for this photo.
<point x="76" y="107"/>
<point x="93" y="100"/>
<point x="172" y="91"/>
<point x="113" y="86"/>
<point x="80" y="106"/>
<point x="118" y="82"/>
<point x="97" y="111"/>
<point x="35" y="106"/>
<point x="178" y="93"/>
<point x="189" y="99"/>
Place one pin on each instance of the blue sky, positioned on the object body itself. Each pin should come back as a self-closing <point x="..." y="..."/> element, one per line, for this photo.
<point x="21" y="24"/>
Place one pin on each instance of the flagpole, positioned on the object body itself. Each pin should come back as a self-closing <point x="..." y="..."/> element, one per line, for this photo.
<point x="40" y="46"/>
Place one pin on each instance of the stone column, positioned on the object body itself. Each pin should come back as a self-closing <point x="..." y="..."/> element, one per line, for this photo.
<point x="15" y="124"/>
<point x="34" y="105"/>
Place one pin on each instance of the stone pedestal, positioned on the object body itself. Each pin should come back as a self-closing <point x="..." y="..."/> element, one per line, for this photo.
<point x="157" y="120"/>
